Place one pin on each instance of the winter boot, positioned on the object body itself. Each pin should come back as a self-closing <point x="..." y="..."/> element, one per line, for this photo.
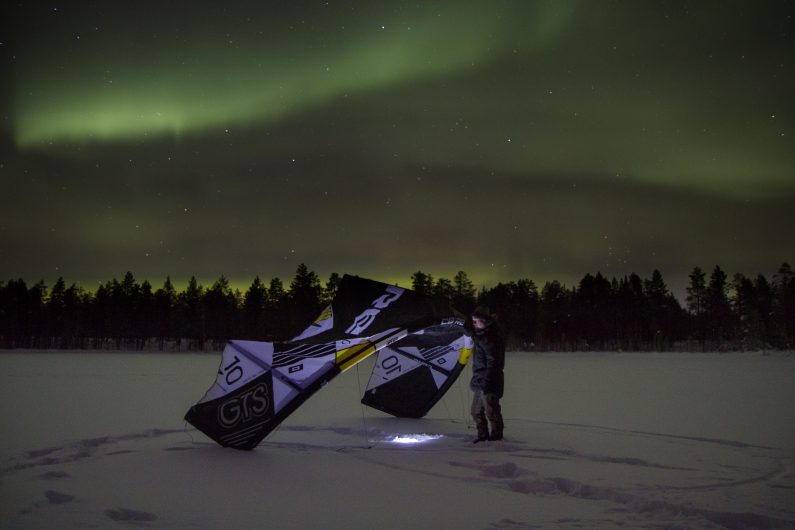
<point x="483" y="433"/>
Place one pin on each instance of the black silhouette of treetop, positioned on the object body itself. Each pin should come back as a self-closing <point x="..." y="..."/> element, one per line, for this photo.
<point x="717" y="307"/>
<point x="697" y="302"/>
<point x="665" y="313"/>
<point x="220" y="306"/>
<point x="332" y="285"/>
<point x="304" y="298"/>
<point x="783" y="310"/>
<point x="463" y="293"/>
<point x="165" y="308"/>
<point x="697" y="292"/>
<point x="422" y="283"/>
<point x="191" y="311"/>
<point x="275" y="320"/>
<point x="254" y="303"/>
<point x="627" y="313"/>
<point x="554" y="317"/>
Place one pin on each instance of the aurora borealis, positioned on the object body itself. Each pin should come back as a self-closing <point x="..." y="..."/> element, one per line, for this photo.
<point x="537" y="139"/>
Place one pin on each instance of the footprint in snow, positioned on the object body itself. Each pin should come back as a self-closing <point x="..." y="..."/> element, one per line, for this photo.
<point x="56" y="497"/>
<point x="54" y="475"/>
<point x="125" y="514"/>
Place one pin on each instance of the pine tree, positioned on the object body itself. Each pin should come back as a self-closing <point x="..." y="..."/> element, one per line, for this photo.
<point x="304" y="299"/>
<point x="191" y="314"/>
<point x="463" y="293"/>
<point x="696" y="292"/>
<point x="746" y="305"/>
<point x="593" y="301"/>
<point x="165" y="307"/>
<point x="254" y="303"/>
<point x="276" y="290"/>
<point x="632" y="318"/>
<point x="77" y="304"/>
<point x="56" y="312"/>
<point x="784" y="306"/>
<point x="554" y="316"/>
<point x="330" y="291"/>
<point x="145" y="315"/>
<point x="764" y="306"/>
<point x="275" y="311"/>
<point x="443" y="290"/>
<point x="717" y="306"/>
<point x="22" y="324"/>
<point x="100" y="327"/>
<point x="220" y="307"/>
<point x="663" y="309"/>
<point x="696" y="303"/>
<point x="124" y="299"/>
<point x="524" y="308"/>
<point x="422" y="283"/>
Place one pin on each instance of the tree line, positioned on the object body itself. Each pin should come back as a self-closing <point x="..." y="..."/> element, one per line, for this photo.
<point x="629" y="313"/>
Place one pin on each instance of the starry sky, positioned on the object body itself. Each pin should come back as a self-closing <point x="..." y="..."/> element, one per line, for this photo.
<point x="509" y="139"/>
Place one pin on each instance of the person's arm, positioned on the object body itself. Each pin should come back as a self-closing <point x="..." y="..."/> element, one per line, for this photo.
<point x="492" y="364"/>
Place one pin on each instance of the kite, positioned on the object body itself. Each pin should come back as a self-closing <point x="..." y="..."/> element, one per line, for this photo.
<point x="420" y="345"/>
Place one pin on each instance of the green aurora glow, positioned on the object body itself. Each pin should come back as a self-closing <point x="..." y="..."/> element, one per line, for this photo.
<point x="366" y="137"/>
<point x="251" y="74"/>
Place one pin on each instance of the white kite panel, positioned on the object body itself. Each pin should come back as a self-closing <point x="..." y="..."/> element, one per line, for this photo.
<point x="239" y="365"/>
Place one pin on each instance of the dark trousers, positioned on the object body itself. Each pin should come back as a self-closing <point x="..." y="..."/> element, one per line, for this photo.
<point x="486" y="410"/>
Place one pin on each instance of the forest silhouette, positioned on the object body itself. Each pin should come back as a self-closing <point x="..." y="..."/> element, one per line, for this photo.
<point x="620" y="314"/>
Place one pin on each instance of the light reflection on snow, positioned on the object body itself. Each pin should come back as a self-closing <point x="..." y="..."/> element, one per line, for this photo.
<point x="413" y="438"/>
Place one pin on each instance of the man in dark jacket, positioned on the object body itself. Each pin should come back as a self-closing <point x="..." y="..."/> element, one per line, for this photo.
<point x="488" y="361"/>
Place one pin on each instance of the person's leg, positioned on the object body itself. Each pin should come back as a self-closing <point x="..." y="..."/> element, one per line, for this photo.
<point x="478" y="412"/>
<point x="493" y="413"/>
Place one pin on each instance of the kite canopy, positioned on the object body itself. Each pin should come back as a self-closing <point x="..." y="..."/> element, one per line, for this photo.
<point x="421" y="351"/>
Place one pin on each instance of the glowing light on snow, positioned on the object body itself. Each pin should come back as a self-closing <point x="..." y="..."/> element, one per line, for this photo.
<point x="414" y="438"/>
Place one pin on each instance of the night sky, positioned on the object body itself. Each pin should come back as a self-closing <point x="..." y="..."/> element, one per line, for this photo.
<point x="526" y="139"/>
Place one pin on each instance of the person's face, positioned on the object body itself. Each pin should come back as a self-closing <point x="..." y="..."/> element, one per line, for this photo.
<point x="478" y="322"/>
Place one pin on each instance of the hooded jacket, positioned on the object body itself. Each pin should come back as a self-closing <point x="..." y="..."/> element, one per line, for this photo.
<point x="488" y="360"/>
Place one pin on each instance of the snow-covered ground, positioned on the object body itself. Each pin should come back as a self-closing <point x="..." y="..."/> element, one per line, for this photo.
<point x="94" y="440"/>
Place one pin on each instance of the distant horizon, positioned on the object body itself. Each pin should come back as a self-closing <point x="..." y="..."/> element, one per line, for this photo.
<point x="676" y="286"/>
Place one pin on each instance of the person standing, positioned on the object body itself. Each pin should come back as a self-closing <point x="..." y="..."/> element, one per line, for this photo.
<point x="488" y="362"/>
